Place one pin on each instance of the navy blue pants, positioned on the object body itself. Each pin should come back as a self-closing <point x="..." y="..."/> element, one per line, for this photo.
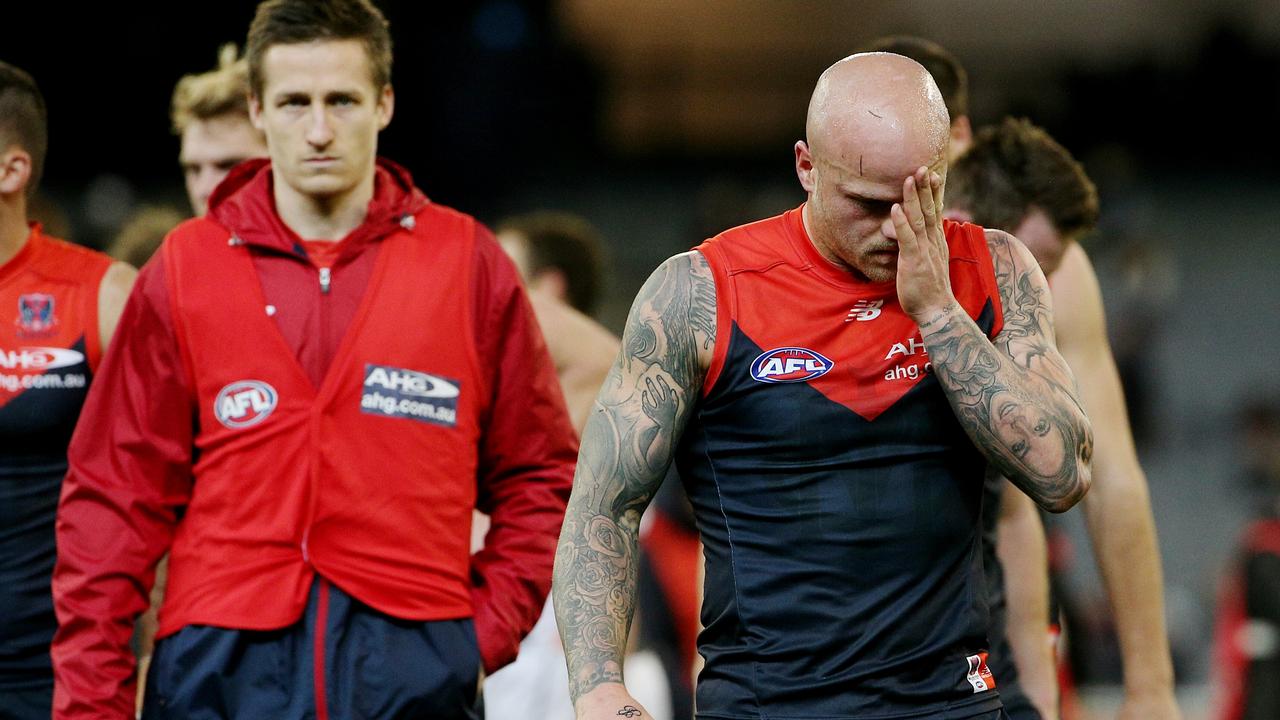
<point x="342" y="660"/>
<point x="27" y="702"/>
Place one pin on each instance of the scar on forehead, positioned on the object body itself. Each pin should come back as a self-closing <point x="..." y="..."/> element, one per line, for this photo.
<point x="859" y="166"/>
<point x="873" y="112"/>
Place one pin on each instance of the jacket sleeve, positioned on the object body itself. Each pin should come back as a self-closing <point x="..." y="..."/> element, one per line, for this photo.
<point x="527" y="454"/>
<point x="129" y="475"/>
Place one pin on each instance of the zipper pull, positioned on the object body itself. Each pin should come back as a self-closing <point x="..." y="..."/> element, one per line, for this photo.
<point x="324" y="280"/>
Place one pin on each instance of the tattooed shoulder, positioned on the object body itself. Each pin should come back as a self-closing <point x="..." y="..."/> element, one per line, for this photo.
<point x="675" y="311"/>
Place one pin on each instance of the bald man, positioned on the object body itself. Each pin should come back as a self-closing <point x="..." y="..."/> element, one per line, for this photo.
<point x="832" y="384"/>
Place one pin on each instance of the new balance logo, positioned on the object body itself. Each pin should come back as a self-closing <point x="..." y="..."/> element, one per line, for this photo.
<point x="865" y="310"/>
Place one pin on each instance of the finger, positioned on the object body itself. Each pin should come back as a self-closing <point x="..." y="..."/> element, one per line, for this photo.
<point x="924" y="188"/>
<point x="911" y="207"/>
<point x="908" y="246"/>
<point x="935" y="181"/>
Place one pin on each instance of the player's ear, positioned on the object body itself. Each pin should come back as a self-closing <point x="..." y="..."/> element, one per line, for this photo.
<point x="255" y="112"/>
<point x="804" y="166"/>
<point x="15" y="171"/>
<point x="386" y="106"/>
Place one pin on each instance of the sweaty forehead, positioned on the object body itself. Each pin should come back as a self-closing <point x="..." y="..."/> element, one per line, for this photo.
<point x="875" y="172"/>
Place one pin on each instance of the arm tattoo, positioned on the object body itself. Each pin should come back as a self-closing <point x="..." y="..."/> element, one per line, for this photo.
<point x="1015" y="397"/>
<point x="627" y="445"/>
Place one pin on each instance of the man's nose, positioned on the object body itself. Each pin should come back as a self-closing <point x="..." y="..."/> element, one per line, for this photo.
<point x="320" y="133"/>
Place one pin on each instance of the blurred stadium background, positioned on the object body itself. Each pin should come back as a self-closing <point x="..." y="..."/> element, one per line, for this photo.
<point x="666" y="121"/>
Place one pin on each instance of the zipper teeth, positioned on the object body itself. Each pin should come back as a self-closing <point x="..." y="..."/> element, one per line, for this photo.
<point x="325" y="277"/>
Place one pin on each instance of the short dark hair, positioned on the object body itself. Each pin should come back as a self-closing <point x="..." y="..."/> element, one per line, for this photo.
<point x="1015" y="166"/>
<point x="288" y="22"/>
<point x="946" y="70"/>
<point x="24" y="120"/>
<point x="565" y="242"/>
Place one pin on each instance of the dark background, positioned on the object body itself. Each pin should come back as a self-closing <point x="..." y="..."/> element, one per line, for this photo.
<point x="664" y="121"/>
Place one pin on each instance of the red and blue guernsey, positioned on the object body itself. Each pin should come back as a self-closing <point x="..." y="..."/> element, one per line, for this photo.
<point x="49" y="348"/>
<point x="838" y="498"/>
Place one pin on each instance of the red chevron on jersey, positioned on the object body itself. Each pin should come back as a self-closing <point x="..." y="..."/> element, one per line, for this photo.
<point x="814" y="323"/>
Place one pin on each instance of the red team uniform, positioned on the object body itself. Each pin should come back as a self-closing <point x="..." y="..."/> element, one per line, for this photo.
<point x="837" y="496"/>
<point x="323" y="427"/>
<point x="49" y="351"/>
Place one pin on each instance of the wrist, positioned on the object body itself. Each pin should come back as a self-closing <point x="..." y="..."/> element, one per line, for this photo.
<point x="1148" y="684"/>
<point x="935" y="318"/>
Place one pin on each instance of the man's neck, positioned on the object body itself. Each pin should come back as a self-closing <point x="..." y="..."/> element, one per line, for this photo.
<point x="14" y="231"/>
<point x="328" y="218"/>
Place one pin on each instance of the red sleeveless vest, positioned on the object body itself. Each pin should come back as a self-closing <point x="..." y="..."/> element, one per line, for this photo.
<point x="369" y="479"/>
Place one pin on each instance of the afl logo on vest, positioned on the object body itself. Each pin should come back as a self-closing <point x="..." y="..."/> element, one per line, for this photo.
<point x="789" y="365"/>
<point x="244" y="403"/>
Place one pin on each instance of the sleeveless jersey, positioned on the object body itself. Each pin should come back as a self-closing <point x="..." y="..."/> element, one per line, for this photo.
<point x="837" y="496"/>
<point x="49" y="347"/>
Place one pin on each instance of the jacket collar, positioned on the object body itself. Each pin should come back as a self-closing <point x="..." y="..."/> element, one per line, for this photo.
<point x="243" y="203"/>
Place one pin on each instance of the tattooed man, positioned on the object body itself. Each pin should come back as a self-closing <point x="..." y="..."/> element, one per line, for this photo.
<point x="832" y="383"/>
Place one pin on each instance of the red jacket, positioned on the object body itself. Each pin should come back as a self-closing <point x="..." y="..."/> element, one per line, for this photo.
<point x="131" y="478"/>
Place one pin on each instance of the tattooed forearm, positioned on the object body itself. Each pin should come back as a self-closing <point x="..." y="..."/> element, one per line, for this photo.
<point x="1015" y="397"/>
<point x="626" y="447"/>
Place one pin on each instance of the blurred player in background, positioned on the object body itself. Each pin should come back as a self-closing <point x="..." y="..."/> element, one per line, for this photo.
<point x="59" y="304"/>
<point x="1014" y="176"/>
<point x="325" y="375"/>
<point x="210" y="115"/>
<point x="1246" y="667"/>
<point x="560" y="260"/>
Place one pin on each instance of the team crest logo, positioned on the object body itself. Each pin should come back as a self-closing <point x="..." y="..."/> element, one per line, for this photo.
<point x="789" y="365"/>
<point x="979" y="675"/>
<point x="244" y="403"/>
<point x="35" y="315"/>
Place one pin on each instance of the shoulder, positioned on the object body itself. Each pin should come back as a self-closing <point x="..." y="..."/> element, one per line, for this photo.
<point x="198" y="232"/>
<point x="61" y="260"/>
<point x="678" y="303"/>
<point x="1079" y="312"/>
<point x="757" y="245"/>
<point x="1016" y="269"/>
<point x="118" y="280"/>
<point x="434" y="220"/>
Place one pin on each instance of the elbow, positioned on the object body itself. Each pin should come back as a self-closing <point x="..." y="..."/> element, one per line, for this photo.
<point x="1073" y="489"/>
<point x="1074" y="494"/>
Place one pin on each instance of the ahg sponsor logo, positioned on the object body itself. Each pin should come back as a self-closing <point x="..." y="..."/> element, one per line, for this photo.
<point x="39" y="359"/>
<point x="244" y="403"/>
<point x="400" y="393"/>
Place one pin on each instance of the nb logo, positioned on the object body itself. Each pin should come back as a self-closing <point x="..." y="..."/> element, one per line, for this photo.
<point x="865" y="310"/>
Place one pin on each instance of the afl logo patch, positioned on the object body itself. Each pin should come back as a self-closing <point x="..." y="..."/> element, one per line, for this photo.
<point x="244" y="403"/>
<point x="788" y="365"/>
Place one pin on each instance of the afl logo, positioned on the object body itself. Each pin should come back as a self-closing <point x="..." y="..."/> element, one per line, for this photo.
<point x="244" y="403"/>
<point x="788" y="365"/>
